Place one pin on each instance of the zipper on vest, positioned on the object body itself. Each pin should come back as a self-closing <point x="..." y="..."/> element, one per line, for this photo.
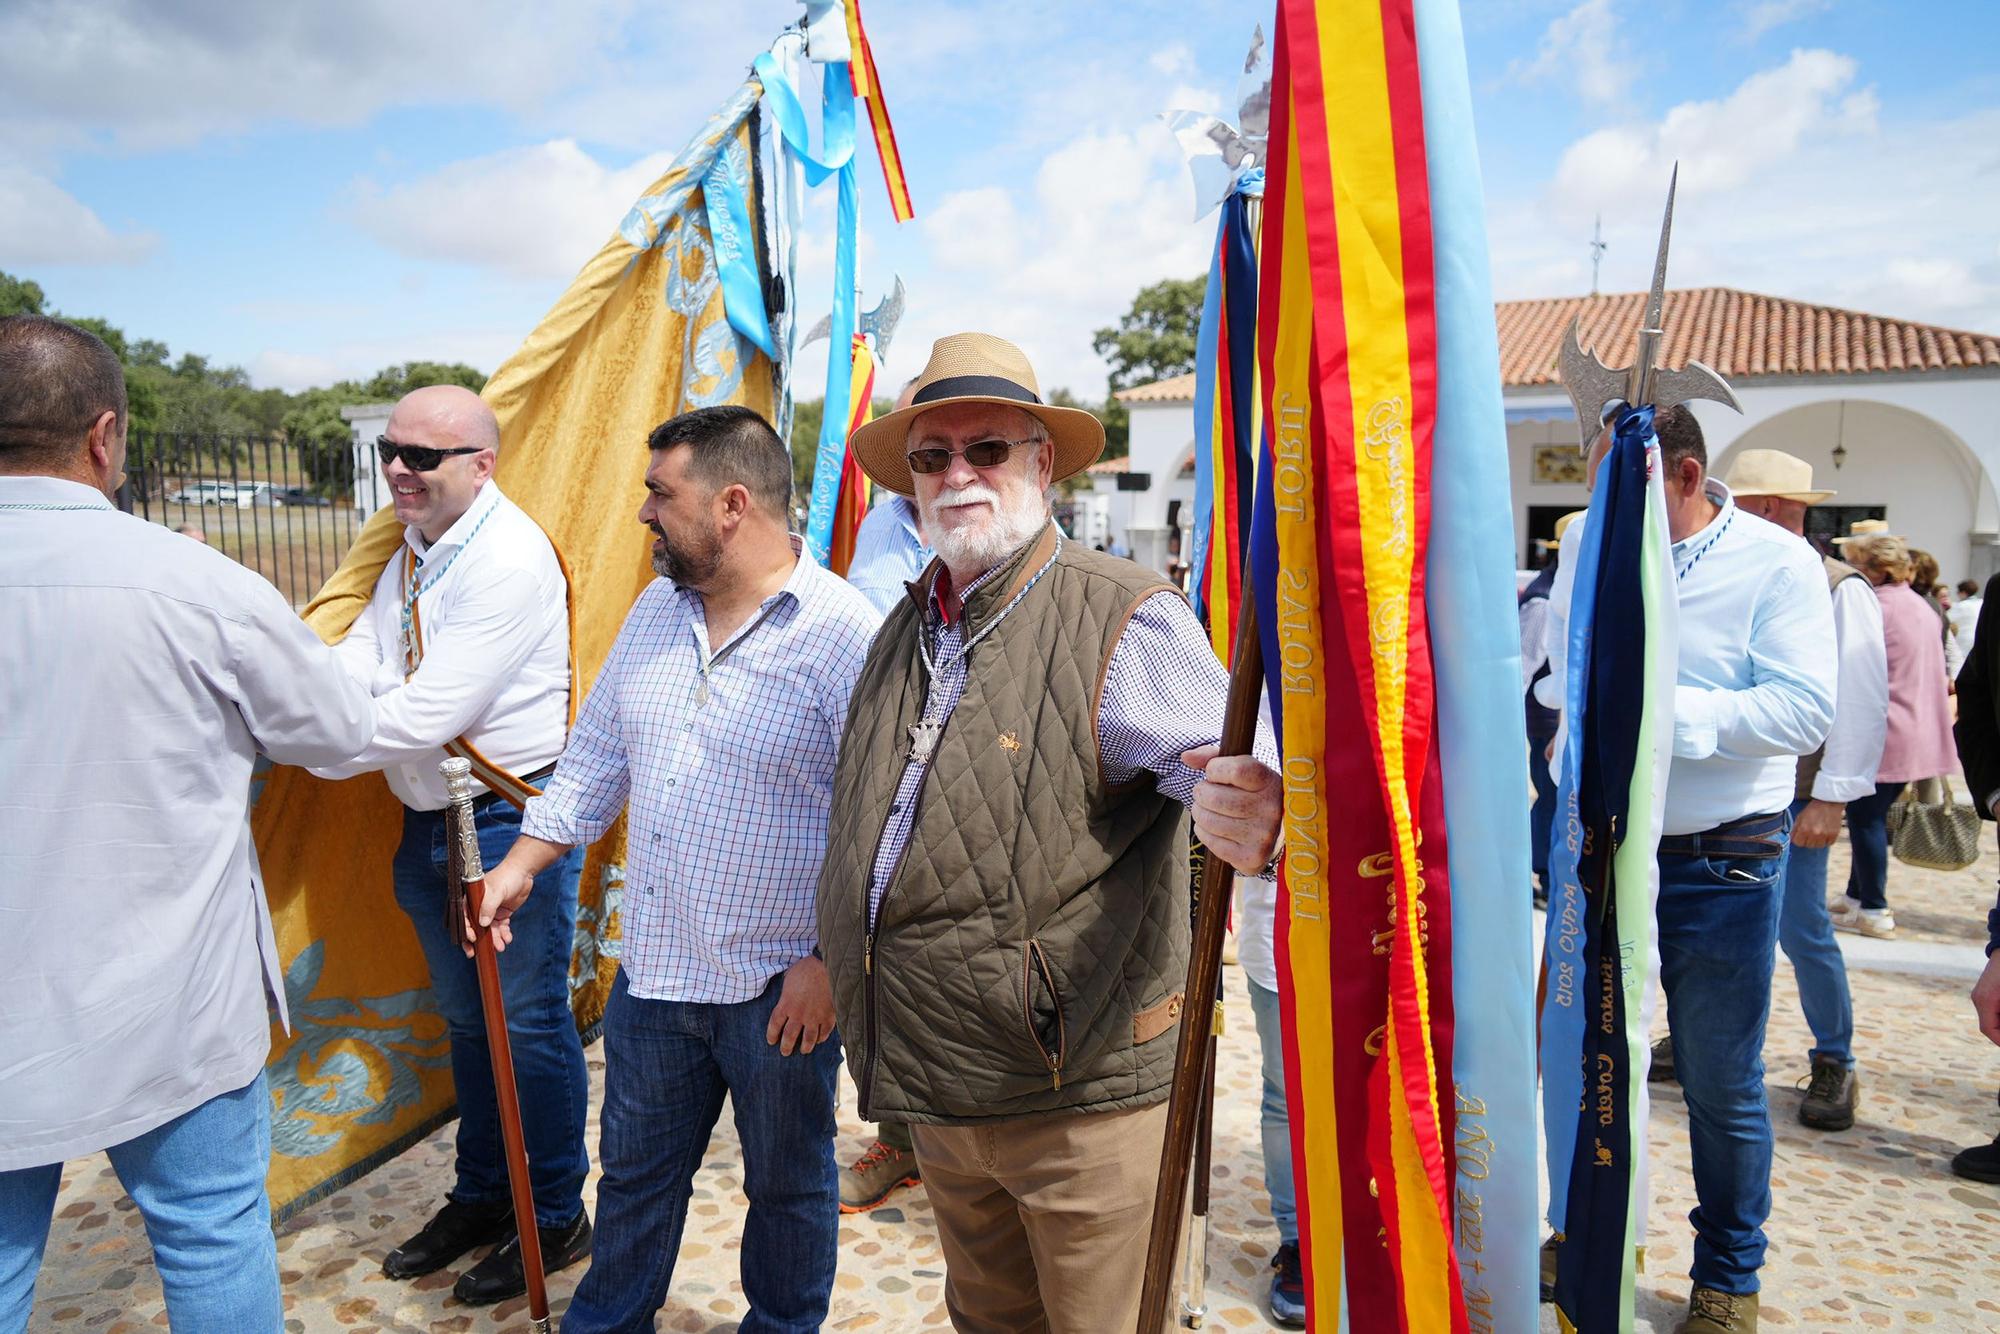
<point x="1032" y="962"/>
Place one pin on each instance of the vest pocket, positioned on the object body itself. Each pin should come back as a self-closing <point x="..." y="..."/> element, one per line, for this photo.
<point x="1044" y="1010"/>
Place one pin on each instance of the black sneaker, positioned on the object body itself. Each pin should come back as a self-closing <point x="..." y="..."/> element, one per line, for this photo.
<point x="1662" y="1069"/>
<point x="1288" y="1288"/>
<point x="1980" y="1163"/>
<point x="1831" y="1095"/>
<point x="452" y="1231"/>
<point x="499" y="1276"/>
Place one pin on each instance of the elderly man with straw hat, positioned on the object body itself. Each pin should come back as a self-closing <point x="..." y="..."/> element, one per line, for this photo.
<point x="1776" y="486"/>
<point x="1004" y="904"/>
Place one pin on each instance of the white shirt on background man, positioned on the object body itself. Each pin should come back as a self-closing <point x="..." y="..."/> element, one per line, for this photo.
<point x="1861" y="696"/>
<point x="495" y="620"/>
<point x="140" y="676"/>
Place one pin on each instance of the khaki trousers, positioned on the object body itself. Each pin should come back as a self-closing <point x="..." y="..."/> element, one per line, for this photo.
<point x="1044" y="1220"/>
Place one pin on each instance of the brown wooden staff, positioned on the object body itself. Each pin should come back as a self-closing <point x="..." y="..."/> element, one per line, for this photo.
<point x="1218" y="880"/>
<point x="462" y="839"/>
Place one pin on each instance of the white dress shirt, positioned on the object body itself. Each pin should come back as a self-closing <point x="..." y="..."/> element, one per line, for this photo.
<point x="140" y="675"/>
<point x="1756" y="684"/>
<point x="495" y="619"/>
<point x="1962" y="623"/>
<point x="1861" y="698"/>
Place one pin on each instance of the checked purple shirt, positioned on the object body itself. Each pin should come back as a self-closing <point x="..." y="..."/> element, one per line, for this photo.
<point x="728" y="797"/>
<point x="1163" y="696"/>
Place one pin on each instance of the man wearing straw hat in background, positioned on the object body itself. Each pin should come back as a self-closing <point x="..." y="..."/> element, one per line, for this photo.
<point x="1004" y="902"/>
<point x="1778" y="487"/>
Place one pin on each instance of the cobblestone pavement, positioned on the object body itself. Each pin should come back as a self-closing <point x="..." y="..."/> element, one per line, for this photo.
<point x="1869" y="1231"/>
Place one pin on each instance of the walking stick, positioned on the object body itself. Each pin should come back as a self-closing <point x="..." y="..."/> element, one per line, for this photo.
<point x="1194" y="1282"/>
<point x="1239" y="731"/>
<point x="462" y="843"/>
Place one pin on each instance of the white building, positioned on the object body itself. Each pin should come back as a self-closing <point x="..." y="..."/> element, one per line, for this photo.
<point x="1902" y="419"/>
<point x="369" y="421"/>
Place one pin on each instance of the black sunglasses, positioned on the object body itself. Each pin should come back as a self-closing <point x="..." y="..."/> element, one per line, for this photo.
<point x="980" y="454"/>
<point x="417" y="458"/>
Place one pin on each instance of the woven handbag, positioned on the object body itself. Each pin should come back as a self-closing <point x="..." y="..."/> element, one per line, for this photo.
<point x="1928" y="828"/>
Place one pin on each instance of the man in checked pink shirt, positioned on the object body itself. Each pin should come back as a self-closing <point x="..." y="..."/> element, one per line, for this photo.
<point x="714" y="724"/>
<point x="1004" y="904"/>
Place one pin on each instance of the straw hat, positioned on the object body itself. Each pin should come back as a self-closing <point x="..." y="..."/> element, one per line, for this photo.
<point x="1866" y="528"/>
<point x="975" y="368"/>
<point x="1562" y="524"/>
<point x="1772" y="472"/>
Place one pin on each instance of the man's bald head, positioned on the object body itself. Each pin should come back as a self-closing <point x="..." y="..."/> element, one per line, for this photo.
<point x="447" y="411"/>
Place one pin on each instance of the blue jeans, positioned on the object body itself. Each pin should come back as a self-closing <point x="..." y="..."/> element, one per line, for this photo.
<point x="1718" y="926"/>
<point x="198" y="1181"/>
<point x="667" y="1067"/>
<point x="534" y="978"/>
<point x="1868" y="839"/>
<point x="1806" y="931"/>
<point x="1275" y="1125"/>
<point x="1542" y="815"/>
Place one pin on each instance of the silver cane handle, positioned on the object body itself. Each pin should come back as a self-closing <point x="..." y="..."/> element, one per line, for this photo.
<point x="456" y="771"/>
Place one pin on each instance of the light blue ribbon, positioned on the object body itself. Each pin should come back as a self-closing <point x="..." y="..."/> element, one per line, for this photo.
<point x="836" y="158"/>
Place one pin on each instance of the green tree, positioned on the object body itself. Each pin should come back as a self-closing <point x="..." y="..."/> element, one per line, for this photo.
<point x="19" y="296"/>
<point x="1154" y="340"/>
<point x="392" y="382"/>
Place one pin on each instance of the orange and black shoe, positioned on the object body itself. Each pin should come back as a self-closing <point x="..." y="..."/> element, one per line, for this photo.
<point x="876" y="1175"/>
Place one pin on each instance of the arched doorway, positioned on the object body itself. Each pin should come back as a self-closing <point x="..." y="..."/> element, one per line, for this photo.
<point x="1894" y="462"/>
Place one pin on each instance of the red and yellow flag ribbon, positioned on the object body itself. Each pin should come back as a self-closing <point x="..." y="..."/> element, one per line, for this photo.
<point x="852" y="505"/>
<point x="868" y="86"/>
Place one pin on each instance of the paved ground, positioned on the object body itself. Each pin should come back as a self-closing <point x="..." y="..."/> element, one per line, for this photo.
<point x="1870" y="1230"/>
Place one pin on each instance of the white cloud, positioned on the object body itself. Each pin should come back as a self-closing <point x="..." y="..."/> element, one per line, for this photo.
<point x="1761" y="16"/>
<point x="41" y="223"/>
<point x="1176" y="61"/>
<point x="292" y="369"/>
<point x="1579" y="50"/>
<point x="1720" y="144"/>
<point x="535" y="213"/>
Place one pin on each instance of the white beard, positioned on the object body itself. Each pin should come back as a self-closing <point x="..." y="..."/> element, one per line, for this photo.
<point x="983" y="545"/>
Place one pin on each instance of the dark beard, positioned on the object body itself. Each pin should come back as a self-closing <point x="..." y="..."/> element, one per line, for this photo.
<point x="692" y="566"/>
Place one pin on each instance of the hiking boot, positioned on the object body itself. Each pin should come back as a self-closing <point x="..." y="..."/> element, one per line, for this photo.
<point x="1288" y="1288"/>
<point x="1549" y="1270"/>
<point x="452" y="1231"/>
<point x="876" y="1175"/>
<point x="1877" y="922"/>
<point x="1713" y="1312"/>
<point x="500" y="1275"/>
<point x="1831" y="1094"/>
<point x="1662" y="1069"/>
<point x="1980" y="1163"/>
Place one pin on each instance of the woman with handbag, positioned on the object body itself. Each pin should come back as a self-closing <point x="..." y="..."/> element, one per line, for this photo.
<point x="1918" y="745"/>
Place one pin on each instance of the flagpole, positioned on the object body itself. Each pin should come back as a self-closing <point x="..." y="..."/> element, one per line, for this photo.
<point x="1218" y="880"/>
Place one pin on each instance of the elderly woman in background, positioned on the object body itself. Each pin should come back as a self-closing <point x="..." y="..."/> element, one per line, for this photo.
<point x="1919" y="743"/>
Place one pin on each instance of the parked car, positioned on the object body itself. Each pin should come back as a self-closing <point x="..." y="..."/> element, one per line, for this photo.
<point x="300" y="496"/>
<point x="239" y="495"/>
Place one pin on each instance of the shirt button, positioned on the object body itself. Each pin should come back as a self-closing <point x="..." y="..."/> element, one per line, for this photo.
<point x="670" y="782"/>
<point x="897" y="809"/>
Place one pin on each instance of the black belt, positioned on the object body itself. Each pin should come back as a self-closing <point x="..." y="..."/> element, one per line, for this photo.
<point x="1752" y="836"/>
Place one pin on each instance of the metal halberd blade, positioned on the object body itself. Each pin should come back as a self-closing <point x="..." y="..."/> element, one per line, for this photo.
<point x="881" y="321"/>
<point x="1594" y="387"/>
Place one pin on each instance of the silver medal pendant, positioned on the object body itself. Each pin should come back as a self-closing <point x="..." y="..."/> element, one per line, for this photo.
<point x="924" y="739"/>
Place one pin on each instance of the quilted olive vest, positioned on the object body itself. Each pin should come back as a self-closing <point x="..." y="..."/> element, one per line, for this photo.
<point x="1837" y="573"/>
<point x="1031" y="946"/>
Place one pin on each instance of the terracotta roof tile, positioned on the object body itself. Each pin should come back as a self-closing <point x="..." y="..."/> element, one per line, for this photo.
<point x="1739" y="334"/>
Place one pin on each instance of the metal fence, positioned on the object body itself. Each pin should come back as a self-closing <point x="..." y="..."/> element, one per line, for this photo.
<point x="284" y="511"/>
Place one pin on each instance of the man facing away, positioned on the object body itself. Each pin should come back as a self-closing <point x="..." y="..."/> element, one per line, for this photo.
<point x="465" y="642"/>
<point x="1004" y="904"/>
<point x="1777" y="487"/>
<point x="1755" y="691"/>
<point x="717" y="717"/>
<point x="140" y="676"/>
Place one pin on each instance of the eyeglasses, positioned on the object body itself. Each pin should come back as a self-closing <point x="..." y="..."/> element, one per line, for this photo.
<point x="980" y="454"/>
<point x="417" y="458"/>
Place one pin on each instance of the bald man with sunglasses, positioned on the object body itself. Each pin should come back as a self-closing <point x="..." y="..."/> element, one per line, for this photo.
<point x="466" y="642"/>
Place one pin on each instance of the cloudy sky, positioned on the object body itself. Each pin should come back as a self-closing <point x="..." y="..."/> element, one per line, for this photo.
<point x="315" y="191"/>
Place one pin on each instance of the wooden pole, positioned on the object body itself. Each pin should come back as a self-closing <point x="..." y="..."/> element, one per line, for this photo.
<point x="486" y="959"/>
<point x="1239" y="732"/>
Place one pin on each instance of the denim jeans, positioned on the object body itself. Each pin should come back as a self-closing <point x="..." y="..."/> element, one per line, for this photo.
<point x="1542" y="815"/>
<point x="667" y="1067"/>
<point x="198" y="1181"/>
<point x="1718" y="925"/>
<point x="1806" y="931"/>
<point x="534" y="978"/>
<point x="1868" y="839"/>
<point x="1275" y="1125"/>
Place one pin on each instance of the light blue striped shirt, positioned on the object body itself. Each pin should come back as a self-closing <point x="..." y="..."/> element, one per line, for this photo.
<point x="888" y="554"/>
<point x="728" y="794"/>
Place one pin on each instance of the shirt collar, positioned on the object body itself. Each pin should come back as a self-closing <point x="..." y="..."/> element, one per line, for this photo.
<point x="34" y="489"/>
<point x="947" y="602"/>
<point x="795" y="583"/>
<point x="484" y="500"/>
<point x="1725" y="506"/>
